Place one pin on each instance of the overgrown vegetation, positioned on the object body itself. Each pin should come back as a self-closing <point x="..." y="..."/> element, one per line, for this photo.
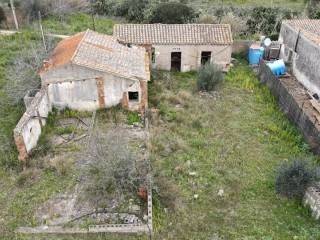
<point x="293" y="179"/>
<point x="232" y="141"/>
<point x="219" y="158"/>
<point x="209" y="76"/>
<point x="47" y="8"/>
<point x="172" y="12"/>
<point x="11" y="107"/>
<point x="75" y="23"/>
<point x="112" y="173"/>
<point x="23" y="71"/>
<point x="133" y="117"/>
<point x="313" y="8"/>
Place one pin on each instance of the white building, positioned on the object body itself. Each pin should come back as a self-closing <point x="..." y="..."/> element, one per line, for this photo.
<point x="181" y="47"/>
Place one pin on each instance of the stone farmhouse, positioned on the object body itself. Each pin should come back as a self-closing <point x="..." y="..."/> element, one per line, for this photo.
<point x="300" y="40"/>
<point x="181" y="47"/>
<point x="87" y="71"/>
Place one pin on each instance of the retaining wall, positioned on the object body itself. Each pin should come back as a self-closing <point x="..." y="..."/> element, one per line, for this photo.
<point x="294" y="100"/>
<point x="28" y="129"/>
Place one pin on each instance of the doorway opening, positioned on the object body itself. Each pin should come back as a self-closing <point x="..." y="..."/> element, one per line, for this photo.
<point x="205" y="57"/>
<point x="176" y="61"/>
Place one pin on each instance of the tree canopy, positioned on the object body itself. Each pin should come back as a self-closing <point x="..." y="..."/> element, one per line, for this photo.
<point x="173" y="12"/>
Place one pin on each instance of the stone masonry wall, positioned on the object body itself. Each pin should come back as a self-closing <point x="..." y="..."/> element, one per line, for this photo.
<point x="191" y="56"/>
<point x="295" y="102"/>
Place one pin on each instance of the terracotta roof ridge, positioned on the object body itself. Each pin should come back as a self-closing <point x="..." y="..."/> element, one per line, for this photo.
<point x="79" y="44"/>
<point x="173" y="24"/>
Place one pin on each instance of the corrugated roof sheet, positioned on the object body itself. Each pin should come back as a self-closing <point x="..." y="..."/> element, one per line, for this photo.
<point x="180" y="34"/>
<point x="100" y="52"/>
<point x="309" y="27"/>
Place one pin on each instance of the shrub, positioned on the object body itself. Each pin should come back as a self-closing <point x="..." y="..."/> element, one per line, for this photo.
<point x="267" y="20"/>
<point x="58" y="8"/>
<point x="238" y="25"/>
<point x="132" y="10"/>
<point x="62" y="165"/>
<point x="313" y="9"/>
<point x="172" y="12"/>
<point x="112" y="172"/>
<point x="23" y="70"/>
<point x="27" y="177"/>
<point x="105" y="7"/>
<point x="167" y="192"/>
<point x="209" y="76"/>
<point x="293" y="179"/>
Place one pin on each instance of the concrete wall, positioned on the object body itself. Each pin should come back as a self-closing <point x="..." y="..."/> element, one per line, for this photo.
<point x="86" y="90"/>
<point x="306" y="59"/>
<point x="295" y="103"/>
<point x="312" y="199"/>
<point x="191" y="55"/>
<point x="28" y="129"/>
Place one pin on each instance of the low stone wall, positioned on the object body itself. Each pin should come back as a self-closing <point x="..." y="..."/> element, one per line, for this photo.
<point x="294" y="100"/>
<point x="28" y="129"/>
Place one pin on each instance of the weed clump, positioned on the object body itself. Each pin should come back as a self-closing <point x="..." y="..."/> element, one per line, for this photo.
<point x="62" y="166"/>
<point x="209" y="76"/>
<point x="133" y="117"/>
<point x="27" y="177"/>
<point x="294" y="178"/>
<point x="113" y="172"/>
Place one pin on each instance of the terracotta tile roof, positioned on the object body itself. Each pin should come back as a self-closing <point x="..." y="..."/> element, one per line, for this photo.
<point x="180" y="34"/>
<point x="309" y="27"/>
<point x="102" y="53"/>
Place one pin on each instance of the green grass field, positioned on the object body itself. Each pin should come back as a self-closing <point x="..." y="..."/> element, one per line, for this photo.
<point x="234" y="142"/>
<point x="78" y="23"/>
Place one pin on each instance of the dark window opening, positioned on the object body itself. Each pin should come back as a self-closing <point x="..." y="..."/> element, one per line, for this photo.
<point x="205" y="57"/>
<point x="133" y="96"/>
<point x="176" y="61"/>
<point x="153" y="55"/>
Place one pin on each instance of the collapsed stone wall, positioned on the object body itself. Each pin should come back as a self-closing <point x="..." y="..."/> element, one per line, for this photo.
<point x="294" y="100"/>
<point x="28" y="129"/>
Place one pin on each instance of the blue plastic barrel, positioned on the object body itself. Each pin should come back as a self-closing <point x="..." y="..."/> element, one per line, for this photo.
<point x="277" y="67"/>
<point x="255" y="54"/>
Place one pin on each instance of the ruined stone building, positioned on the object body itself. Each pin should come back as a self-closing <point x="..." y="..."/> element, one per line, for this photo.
<point x="90" y="71"/>
<point x="181" y="47"/>
<point x="87" y="71"/>
<point x="301" y="50"/>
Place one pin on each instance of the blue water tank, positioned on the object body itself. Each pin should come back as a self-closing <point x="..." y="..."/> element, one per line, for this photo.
<point x="277" y="67"/>
<point x="255" y="54"/>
